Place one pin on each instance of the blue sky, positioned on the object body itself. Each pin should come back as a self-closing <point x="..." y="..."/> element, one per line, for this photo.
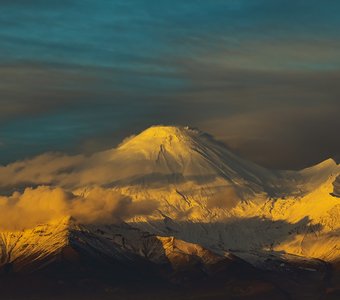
<point x="78" y="76"/>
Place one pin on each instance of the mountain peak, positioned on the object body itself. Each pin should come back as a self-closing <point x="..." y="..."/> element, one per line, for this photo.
<point x="160" y="135"/>
<point x="183" y="151"/>
<point x="162" y="130"/>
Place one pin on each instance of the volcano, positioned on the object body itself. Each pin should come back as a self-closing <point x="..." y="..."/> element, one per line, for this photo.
<point x="216" y="217"/>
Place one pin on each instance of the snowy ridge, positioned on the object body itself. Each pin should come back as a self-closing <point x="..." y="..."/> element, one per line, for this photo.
<point x="66" y="239"/>
<point x="41" y="243"/>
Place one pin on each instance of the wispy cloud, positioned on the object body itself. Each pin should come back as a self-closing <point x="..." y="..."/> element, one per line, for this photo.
<point x="78" y="74"/>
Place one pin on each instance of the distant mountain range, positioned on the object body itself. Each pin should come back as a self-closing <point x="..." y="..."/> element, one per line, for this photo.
<point x="206" y="218"/>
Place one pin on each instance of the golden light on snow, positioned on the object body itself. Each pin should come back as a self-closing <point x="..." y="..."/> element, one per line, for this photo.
<point x="183" y="175"/>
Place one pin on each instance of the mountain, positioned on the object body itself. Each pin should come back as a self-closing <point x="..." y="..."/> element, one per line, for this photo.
<point x="64" y="254"/>
<point x="66" y="239"/>
<point x="173" y="155"/>
<point x="214" y="217"/>
<point x="208" y="195"/>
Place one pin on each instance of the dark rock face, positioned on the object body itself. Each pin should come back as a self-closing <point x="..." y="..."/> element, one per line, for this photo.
<point x="336" y="185"/>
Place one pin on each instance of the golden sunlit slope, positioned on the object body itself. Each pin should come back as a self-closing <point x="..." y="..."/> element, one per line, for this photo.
<point x="291" y="211"/>
<point x="66" y="240"/>
<point x="169" y="154"/>
<point x="178" y="181"/>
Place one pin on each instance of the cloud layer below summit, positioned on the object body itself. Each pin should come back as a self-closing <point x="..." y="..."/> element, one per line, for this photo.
<point x="42" y="204"/>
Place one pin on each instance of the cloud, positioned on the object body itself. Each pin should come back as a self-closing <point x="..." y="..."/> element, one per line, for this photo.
<point x="43" y="204"/>
<point x="225" y="198"/>
<point x="47" y="168"/>
<point x="288" y="55"/>
<point x="292" y="137"/>
<point x="35" y="88"/>
<point x="272" y="103"/>
<point x="196" y="62"/>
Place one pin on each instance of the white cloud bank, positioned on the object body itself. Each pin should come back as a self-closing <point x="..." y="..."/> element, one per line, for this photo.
<point x="44" y="203"/>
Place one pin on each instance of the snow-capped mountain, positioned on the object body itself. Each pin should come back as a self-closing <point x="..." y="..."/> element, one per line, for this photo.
<point x="209" y="208"/>
<point x="207" y="195"/>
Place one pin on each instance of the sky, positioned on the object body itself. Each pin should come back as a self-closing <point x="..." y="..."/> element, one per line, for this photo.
<point x="78" y="76"/>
